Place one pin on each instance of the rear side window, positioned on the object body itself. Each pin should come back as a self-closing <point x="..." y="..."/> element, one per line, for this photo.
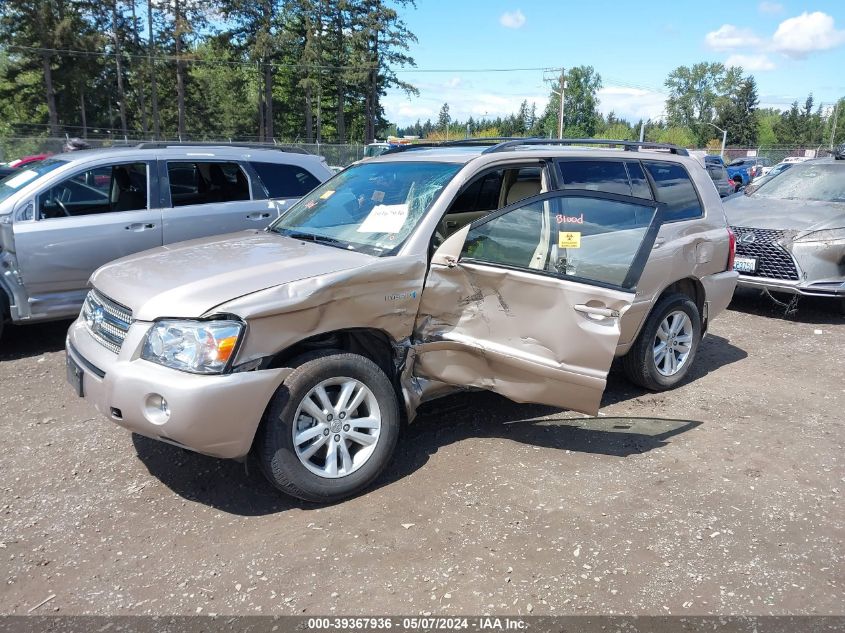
<point x="674" y="188"/>
<point x="206" y="183"/>
<point x="285" y="181"/>
<point x="639" y="183"/>
<point x="607" y="176"/>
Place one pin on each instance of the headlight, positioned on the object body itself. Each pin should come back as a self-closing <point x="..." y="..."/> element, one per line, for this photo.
<point x="825" y="235"/>
<point x="199" y="347"/>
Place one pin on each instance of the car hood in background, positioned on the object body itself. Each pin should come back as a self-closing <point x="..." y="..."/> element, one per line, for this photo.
<point x="773" y="213"/>
<point x="189" y="279"/>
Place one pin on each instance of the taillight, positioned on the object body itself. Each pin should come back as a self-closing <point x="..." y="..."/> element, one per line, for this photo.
<point x="731" y="249"/>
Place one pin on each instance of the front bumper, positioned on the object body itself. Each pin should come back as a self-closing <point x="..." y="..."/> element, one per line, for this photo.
<point x="215" y="415"/>
<point x="831" y="289"/>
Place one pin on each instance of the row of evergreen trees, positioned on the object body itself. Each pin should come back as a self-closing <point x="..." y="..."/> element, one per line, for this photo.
<point x="699" y="97"/>
<point x="222" y="68"/>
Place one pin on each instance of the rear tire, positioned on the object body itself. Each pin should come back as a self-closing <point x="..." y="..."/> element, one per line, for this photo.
<point x="331" y="427"/>
<point x="666" y="347"/>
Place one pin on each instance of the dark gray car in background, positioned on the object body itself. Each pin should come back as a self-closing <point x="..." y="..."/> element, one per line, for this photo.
<point x="66" y="216"/>
<point x="790" y="231"/>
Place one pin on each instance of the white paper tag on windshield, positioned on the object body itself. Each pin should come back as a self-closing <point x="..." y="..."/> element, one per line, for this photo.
<point x="21" y="178"/>
<point x="385" y="218"/>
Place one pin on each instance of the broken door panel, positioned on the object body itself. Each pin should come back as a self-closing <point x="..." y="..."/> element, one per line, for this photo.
<point x="530" y="309"/>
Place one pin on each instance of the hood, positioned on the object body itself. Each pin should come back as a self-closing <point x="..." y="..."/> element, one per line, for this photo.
<point x="189" y="279"/>
<point x="775" y="213"/>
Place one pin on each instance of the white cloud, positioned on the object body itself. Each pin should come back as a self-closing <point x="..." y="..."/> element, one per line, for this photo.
<point x="631" y="103"/>
<point x="771" y="8"/>
<point x="806" y="33"/>
<point x="728" y="37"/>
<point x="463" y="103"/>
<point x="512" y="19"/>
<point x="454" y="82"/>
<point x="751" y="62"/>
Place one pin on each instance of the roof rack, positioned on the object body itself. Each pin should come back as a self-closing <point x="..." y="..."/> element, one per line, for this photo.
<point x="166" y="144"/>
<point x="504" y="143"/>
<point x="465" y="142"/>
<point x="630" y="146"/>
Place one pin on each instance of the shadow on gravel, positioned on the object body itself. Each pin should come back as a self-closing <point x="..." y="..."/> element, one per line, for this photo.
<point x="715" y="352"/>
<point x="225" y="484"/>
<point x="811" y="310"/>
<point x="22" y="341"/>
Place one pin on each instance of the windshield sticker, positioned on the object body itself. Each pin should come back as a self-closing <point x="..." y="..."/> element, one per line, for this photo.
<point x="378" y="196"/>
<point x="21" y="178"/>
<point x="310" y="204"/>
<point x="327" y="194"/>
<point x="569" y="239"/>
<point x="569" y="219"/>
<point x="385" y="218"/>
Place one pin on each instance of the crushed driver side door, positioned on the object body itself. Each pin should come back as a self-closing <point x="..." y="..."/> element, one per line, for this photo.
<point x="527" y="301"/>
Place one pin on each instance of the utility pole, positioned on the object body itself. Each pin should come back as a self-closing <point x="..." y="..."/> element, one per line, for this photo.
<point x="833" y="128"/>
<point x="560" y="117"/>
<point x="559" y="92"/>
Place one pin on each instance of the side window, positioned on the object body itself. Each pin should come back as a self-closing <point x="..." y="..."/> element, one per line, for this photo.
<point x="489" y="192"/>
<point x="513" y="239"/>
<point x="205" y="183"/>
<point x="639" y="183"/>
<point x="482" y="194"/>
<point x="285" y="181"/>
<point x="584" y="237"/>
<point x="717" y="173"/>
<point x="674" y="188"/>
<point x="99" y="190"/>
<point x="607" y="176"/>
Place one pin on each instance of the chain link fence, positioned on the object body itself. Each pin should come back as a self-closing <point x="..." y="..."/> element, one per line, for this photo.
<point x="341" y="155"/>
<point x="338" y="155"/>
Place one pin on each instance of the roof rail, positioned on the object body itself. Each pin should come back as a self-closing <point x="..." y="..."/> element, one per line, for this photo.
<point x="631" y="146"/>
<point x="464" y="142"/>
<point x="166" y="144"/>
<point x="503" y="143"/>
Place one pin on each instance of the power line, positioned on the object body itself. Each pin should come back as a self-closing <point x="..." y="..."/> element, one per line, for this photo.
<point x="251" y="64"/>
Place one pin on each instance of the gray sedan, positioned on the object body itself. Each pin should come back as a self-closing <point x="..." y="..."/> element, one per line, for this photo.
<point x="791" y="231"/>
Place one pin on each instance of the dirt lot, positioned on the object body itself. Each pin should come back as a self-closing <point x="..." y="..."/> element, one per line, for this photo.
<point x="724" y="496"/>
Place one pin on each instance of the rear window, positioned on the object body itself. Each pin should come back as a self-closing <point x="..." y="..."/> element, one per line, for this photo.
<point x="607" y="176"/>
<point x="206" y="183"/>
<point x="672" y="186"/>
<point x="285" y="181"/>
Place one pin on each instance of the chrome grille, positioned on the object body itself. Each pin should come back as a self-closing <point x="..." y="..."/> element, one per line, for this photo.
<point x="107" y="321"/>
<point x="773" y="260"/>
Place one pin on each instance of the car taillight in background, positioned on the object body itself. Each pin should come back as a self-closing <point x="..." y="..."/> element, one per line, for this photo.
<point x="731" y="249"/>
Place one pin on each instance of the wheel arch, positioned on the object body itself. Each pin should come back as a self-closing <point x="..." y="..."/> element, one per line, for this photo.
<point x="372" y="343"/>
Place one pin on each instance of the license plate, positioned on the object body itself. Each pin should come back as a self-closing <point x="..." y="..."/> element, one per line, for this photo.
<point x="745" y="264"/>
<point x="74" y="376"/>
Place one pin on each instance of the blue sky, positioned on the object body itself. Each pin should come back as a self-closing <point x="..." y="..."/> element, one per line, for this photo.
<point x="791" y="47"/>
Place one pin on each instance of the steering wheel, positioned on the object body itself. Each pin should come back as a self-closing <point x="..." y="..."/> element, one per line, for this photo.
<point x="62" y="207"/>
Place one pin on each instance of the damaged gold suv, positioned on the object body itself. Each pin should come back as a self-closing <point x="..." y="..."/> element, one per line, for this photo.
<point x="522" y="267"/>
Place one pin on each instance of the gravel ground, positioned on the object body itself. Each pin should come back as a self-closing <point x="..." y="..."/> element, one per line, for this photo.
<point x="723" y="496"/>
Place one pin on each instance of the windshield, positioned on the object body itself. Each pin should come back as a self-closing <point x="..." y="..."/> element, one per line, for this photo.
<point x="370" y="207"/>
<point x="14" y="182"/>
<point x="824" y="182"/>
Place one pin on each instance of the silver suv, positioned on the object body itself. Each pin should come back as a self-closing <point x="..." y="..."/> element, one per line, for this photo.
<point x="522" y="267"/>
<point x="64" y="217"/>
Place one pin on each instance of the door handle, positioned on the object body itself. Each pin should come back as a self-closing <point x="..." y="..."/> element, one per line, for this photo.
<point x="140" y="226"/>
<point x="659" y="242"/>
<point x="257" y="216"/>
<point x="596" y="311"/>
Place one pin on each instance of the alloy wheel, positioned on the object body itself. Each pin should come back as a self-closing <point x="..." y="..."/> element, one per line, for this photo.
<point x="336" y="427"/>
<point x="673" y="343"/>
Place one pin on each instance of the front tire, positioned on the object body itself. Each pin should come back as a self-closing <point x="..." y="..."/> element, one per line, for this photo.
<point x="665" y="349"/>
<point x="331" y="428"/>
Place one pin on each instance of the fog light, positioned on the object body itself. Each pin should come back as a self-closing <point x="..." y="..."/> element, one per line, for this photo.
<point x="156" y="409"/>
